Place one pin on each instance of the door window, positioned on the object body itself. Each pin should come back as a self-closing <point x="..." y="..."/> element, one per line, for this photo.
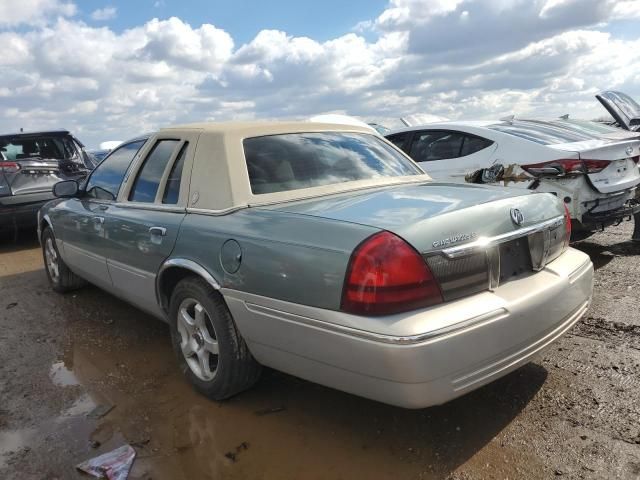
<point x="147" y="182"/>
<point x="398" y="139"/>
<point x="436" y="145"/>
<point x="172" y="189"/>
<point x="105" y="181"/>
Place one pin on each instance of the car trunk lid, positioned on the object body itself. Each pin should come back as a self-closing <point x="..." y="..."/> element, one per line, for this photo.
<point x="432" y="216"/>
<point x="611" y="166"/>
<point x="624" y="109"/>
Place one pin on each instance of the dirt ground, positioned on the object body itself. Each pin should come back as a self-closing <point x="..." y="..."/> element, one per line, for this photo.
<point x="573" y="413"/>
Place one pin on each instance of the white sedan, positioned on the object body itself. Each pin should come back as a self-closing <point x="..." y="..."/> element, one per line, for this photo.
<point x="594" y="175"/>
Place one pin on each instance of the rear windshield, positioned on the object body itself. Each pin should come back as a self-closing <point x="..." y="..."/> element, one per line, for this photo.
<point x="17" y="148"/>
<point x="277" y="163"/>
<point x="585" y="126"/>
<point x="544" y="134"/>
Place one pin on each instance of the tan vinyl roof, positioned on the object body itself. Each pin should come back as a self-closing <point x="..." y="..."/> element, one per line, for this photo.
<point x="219" y="178"/>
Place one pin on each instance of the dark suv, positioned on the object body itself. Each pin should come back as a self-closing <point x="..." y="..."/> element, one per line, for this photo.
<point x="30" y="164"/>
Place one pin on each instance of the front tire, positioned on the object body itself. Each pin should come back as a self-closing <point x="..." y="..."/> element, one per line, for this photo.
<point x="61" y="278"/>
<point x="211" y="352"/>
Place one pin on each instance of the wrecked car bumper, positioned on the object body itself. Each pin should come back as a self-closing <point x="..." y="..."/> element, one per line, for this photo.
<point x="21" y="211"/>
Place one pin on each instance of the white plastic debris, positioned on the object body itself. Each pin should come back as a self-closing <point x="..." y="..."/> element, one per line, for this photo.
<point x="113" y="465"/>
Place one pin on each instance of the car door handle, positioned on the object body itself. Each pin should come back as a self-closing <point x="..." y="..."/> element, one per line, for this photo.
<point x="103" y="207"/>
<point x="158" y="231"/>
<point x="98" y="220"/>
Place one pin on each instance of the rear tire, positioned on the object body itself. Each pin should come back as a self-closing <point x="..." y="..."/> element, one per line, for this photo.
<point x="61" y="278"/>
<point x="211" y="352"/>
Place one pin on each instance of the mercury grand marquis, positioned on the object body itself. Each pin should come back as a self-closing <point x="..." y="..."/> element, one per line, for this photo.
<point x="322" y="251"/>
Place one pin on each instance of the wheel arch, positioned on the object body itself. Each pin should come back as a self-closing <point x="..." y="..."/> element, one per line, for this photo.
<point x="44" y="222"/>
<point x="174" y="270"/>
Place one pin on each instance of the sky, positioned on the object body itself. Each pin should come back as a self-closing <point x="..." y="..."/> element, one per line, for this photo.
<point x="110" y="70"/>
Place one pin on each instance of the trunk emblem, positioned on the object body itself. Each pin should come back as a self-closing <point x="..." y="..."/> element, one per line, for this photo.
<point x="517" y="217"/>
<point x="629" y="150"/>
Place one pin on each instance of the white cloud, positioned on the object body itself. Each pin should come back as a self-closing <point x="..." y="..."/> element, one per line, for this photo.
<point x="30" y="12"/>
<point x="461" y="58"/>
<point x="103" y="14"/>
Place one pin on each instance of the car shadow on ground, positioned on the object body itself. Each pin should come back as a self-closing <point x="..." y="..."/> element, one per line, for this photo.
<point x="601" y="254"/>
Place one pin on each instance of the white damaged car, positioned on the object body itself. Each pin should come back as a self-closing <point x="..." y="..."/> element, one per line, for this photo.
<point x="595" y="176"/>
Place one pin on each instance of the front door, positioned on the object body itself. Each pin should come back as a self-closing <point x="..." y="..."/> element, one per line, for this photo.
<point x="84" y="245"/>
<point x="142" y="227"/>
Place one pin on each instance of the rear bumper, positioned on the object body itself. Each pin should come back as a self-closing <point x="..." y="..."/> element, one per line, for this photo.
<point x="598" y="220"/>
<point x="422" y="358"/>
<point x="19" y="211"/>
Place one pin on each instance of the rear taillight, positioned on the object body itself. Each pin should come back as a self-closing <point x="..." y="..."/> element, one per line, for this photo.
<point x="9" y="167"/>
<point x="385" y="276"/>
<point x="564" y="166"/>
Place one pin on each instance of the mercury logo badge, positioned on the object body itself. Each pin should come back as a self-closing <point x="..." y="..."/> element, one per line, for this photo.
<point x="516" y="216"/>
<point x="629" y="150"/>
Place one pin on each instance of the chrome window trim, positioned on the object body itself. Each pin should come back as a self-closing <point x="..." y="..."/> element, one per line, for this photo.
<point x="150" y="206"/>
<point x="484" y="243"/>
<point x="215" y="213"/>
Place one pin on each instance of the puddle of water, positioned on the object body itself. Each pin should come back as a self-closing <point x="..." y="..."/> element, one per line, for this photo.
<point x="12" y="440"/>
<point x="63" y="377"/>
<point x="82" y="405"/>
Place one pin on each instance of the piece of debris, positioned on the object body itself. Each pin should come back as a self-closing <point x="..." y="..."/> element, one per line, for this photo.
<point x="107" y="321"/>
<point x="94" y="443"/>
<point x="100" y="411"/>
<point x="267" y="411"/>
<point x="113" y="465"/>
<point x="11" y="305"/>
<point x="233" y="455"/>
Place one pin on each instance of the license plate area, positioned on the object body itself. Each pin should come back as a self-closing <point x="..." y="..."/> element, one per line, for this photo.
<point x="515" y="259"/>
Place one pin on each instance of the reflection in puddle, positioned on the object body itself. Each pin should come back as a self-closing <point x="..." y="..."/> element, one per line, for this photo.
<point x="82" y="406"/>
<point x="63" y="377"/>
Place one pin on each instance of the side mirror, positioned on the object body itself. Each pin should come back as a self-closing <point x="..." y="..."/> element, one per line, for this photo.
<point x="66" y="189"/>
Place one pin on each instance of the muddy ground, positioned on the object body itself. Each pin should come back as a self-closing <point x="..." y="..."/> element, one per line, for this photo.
<point x="573" y="413"/>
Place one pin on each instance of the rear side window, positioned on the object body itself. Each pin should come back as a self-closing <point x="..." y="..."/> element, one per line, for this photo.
<point x="147" y="182"/>
<point x="105" y="181"/>
<point x="398" y="139"/>
<point x="172" y="189"/>
<point x="278" y="163"/>
<point x="473" y="144"/>
<point x="436" y="145"/>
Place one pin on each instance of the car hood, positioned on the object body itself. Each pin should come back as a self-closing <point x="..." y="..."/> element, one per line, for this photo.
<point x="428" y="213"/>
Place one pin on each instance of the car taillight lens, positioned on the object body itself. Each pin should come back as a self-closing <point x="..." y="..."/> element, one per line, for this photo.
<point x="9" y="167"/>
<point x="385" y="276"/>
<point x="564" y="166"/>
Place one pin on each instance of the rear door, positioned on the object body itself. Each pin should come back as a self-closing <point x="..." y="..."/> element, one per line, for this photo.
<point x="142" y="227"/>
<point x="450" y="155"/>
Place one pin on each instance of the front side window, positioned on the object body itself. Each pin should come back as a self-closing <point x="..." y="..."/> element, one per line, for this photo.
<point x="278" y="163"/>
<point x="436" y="145"/>
<point x="147" y="182"/>
<point x="105" y="181"/>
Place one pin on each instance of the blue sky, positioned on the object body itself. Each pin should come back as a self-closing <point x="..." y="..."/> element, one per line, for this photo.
<point x="111" y="69"/>
<point x="320" y="20"/>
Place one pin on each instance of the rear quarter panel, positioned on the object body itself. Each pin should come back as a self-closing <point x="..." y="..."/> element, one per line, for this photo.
<point x="291" y="257"/>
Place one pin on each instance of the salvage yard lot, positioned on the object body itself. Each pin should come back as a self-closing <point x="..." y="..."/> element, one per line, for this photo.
<point x="573" y="413"/>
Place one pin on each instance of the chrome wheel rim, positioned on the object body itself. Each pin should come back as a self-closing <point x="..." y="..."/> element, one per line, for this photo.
<point x="51" y="259"/>
<point x="198" y="339"/>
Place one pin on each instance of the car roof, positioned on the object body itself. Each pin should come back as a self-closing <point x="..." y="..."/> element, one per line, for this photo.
<point x="448" y="125"/>
<point x="38" y="133"/>
<point x="259" y="128"/>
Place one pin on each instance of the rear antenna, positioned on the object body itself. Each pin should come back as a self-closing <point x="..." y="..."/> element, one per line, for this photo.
<point x="508" y="118"/>
<point x="21" y="129"/>
<point x="565" y="116"/>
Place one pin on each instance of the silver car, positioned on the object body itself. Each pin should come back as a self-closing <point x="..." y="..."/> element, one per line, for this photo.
<point x="322" y="251"/>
